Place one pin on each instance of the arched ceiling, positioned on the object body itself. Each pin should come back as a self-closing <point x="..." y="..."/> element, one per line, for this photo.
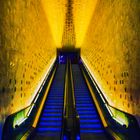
<point x="56" y="11"/>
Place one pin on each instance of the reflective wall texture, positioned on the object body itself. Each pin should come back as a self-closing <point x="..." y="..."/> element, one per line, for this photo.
<point x="112" y="51"/>
<point x="26" y="50"/>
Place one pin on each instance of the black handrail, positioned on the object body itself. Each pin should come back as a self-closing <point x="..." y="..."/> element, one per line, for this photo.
<point x="71" y="125"/>
<point x="65" y="103"/>
<point x="76" y="115"/>
<point x="18" y="123"/>
<point x="125" y="130"/>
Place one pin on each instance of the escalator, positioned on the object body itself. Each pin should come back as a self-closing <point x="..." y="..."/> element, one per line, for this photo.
<point x="90" y="124"/>
<point x="65" y="109"/>
<point x="50" y="123"/>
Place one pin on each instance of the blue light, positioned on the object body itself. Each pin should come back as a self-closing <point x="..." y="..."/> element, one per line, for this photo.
<point x="56" y="103"/>
<point x="52" y="110"/>
<point x="85" y="113"/>
<point x="50" y="119"/>
<point x="92" y="126"/>
<point x="50" y="123"/>
<point x="59" y="106"/>
<point x="53" y="114"/>
<point x="87" y="117"/>
<point x="92" y="131"/>
<point x="83" y="109"/>
<point x="77" y="137"/>
<point x="64" y="137"/>
<point x="89" y="121"/>
<point x="49" y="129"/>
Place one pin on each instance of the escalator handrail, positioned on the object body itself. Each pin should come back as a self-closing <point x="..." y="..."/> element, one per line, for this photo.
<point x="65" y="91"/>
<point x="43" y="100"/>
<point x="75" y="112"/>
<point x="74" y="128"/>
<point x="64" y="116"/>
<point x="71" y="78"/>
<point x="73" y="95"/>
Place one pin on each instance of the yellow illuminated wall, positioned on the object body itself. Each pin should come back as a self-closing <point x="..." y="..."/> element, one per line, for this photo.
<point x="68" y="37"/>
<point x="107" y="31"/>
<point x="26" y="51"/>
<point x="55" y="11"/>
<point x="82" y="14"/>
<point x="56" y="14"/>
<point x="111" y="49"/>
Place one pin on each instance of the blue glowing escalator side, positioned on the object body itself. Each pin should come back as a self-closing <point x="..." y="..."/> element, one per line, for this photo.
<point x="90" y="124"/>
<point x="50" y="123"/>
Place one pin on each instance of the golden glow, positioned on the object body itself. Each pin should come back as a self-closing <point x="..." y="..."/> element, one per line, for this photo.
<point x="55" y="12"/>
<point x="28" y="48"/>
<point x="111" y="57"/>
<point x="88" y="65"/>
<point x="83" y="11"/>
<point x="46" y="73"/>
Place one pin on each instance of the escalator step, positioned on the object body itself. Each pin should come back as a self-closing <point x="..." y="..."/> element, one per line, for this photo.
<point x="93" y="126"/>
<point x="89" y="113"/>
<point x="50" y="123"/>
<point x="91" y="131"/>
<point x="53" y="106"/>
<point x="84" y="109"/>
<point x="88" y="117"/>
<point x="49" y="129"/>
<point x="52" y="110"/>
<point x="89" y="121"/>
<point x="51" y="115"/>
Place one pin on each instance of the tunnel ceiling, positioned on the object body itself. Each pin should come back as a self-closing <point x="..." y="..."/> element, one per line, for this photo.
<point x="56" y="14"/>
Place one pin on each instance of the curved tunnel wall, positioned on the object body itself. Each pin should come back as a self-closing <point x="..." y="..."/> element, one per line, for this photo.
<point x="26" y="51"/>
<point x="28" y="39"/>
<point x="111" y="48"/>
